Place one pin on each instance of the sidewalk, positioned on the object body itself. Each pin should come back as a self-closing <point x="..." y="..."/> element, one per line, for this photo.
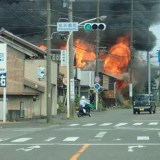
<point x="57" y="119"/>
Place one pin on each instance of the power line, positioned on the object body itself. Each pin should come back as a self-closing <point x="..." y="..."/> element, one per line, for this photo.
<point x="25" y="11"/>
<point x="17" y="16"/>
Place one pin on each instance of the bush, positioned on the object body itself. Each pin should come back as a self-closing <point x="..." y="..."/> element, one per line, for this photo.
<point x="61" y="108"/>
<point x="76" y="101"/>
<point x="126" y="106"/>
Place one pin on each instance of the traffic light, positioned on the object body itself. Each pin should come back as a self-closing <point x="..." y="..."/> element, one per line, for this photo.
<point x="94" y="26"/>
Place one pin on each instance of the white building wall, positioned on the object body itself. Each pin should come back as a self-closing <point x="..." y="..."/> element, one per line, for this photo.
<point x="31" y="68"/>
<point x="86" y="77"/>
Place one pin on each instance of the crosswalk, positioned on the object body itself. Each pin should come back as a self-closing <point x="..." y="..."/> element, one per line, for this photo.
<point x="98" y="134"/>
<point x="21" y="140"/>
<point x="121" y="124"/>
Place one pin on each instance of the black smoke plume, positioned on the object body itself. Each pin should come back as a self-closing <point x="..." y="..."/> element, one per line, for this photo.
<point x="27" y="18"/>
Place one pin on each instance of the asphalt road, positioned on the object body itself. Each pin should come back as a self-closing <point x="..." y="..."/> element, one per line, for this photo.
<point x="115" y="134"/>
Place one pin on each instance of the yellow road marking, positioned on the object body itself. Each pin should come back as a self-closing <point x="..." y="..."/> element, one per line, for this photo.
<point x="77" y="154"/>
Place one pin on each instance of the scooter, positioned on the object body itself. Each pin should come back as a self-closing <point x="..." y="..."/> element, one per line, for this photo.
<point x="81" y="112"/>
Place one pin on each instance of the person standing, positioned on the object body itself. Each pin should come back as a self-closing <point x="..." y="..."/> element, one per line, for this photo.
<point x="92" y="97"/>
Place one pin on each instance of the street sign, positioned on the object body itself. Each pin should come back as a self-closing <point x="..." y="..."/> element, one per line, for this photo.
<point x="72" y="90"/>
<point x="96" y="79"/>
<point x="63" y="58"/>
<point x="67" y="26"/>
<point x="41" y="73"/>
<point x="97" y="86"/>
<point x="3" y="64"/>
<point x="130" y="90"/>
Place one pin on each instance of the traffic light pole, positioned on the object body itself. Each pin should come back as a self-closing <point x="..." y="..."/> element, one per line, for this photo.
<point x="97" y="54"/>
<point x="131" y="56"/>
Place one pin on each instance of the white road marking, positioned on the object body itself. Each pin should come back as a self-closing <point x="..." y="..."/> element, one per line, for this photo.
<point x="117" y="139"/>
<point x="153" y="123"/>
<point x="158" y="134"/>
<point x="89" y="124"/>
<point x="100" y="134"/>
<point x="70" y="139"/>
<point x="143" y="138"/>
<point x="50" y="139"/>
<point x="3" y="139"/>
<point x="137" y="124"/>
<point x="21" y="140"/>
<point x="79" y="144"/>
<point x="120" y="124"/>
<point x="28" y="148"/>
<point x="105" y="124"/>
<point x="130" y="148"/>
<point x="72" y="125"/>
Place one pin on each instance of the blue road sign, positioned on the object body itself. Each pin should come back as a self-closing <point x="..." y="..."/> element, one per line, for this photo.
<point x="97" y="86"/>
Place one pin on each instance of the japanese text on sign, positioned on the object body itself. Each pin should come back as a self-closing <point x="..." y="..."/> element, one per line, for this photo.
<point x="3" y="80"/>
<point x="67" y="26"/>
<point x="63" y="58"/>
<point x="3" y="65"/>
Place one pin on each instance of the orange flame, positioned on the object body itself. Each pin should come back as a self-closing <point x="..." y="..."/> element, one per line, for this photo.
<point x="102" y="56"/>
<point x="116" y="63"/>
<point x="121" y="84"/>
<point x="43" y="47"/>
<point x="84" y="52"/>
<point x="118" y="58"/>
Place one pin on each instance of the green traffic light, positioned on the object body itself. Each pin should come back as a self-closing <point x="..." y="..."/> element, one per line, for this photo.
<point x="87" y="27"/>
<point x="95" y="26"/>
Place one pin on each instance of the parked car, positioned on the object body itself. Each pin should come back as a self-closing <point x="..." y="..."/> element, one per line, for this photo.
<point x="144" y="103"/>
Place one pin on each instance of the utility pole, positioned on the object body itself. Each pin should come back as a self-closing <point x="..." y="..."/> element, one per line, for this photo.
<point x="159" y="76"/>
<point x="149" y="73"/>
<point x="71" y="61"/>
<point x="48" y="63"/>
<point x="131" y="56"/>
<point x="97" y="54"/>
<point x="159" y="84"/>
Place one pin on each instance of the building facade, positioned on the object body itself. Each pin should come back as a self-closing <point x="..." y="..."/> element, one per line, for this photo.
<point x="26" y="92"/>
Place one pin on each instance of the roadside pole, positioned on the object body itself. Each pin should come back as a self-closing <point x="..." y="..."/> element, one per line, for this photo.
<point x="97" y="55"/>
<point x="3" y="75"/>
<point x="71" y="59"/>
<point x="48" y="63"/>
<point x="131" y="56"/>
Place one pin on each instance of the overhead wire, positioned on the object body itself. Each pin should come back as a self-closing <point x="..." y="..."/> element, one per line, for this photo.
<point x="17" y="16"/>
<point x="25" y="11"/>
<point x="63" y="13"/>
